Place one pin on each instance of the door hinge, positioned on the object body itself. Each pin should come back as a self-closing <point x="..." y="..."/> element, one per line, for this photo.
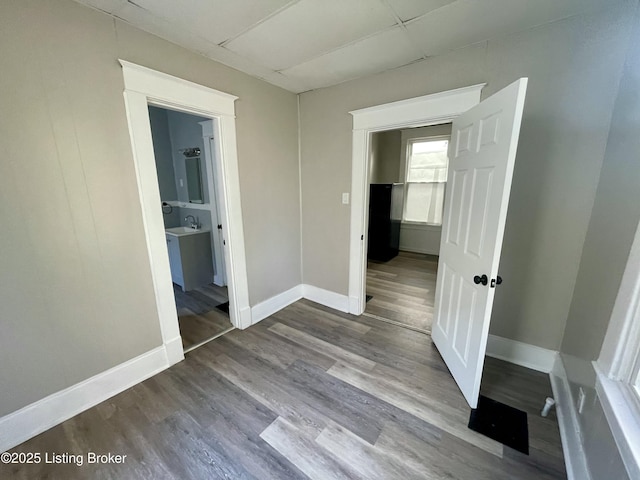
<point x="361" y="237"/>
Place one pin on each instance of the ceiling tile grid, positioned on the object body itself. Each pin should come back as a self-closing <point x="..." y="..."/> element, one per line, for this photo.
<point x="300" y="45"/>
<point x="310" y="28"/>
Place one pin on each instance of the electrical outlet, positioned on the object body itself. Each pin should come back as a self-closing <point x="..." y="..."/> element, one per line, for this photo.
<point x="345" y="199"/>
<point x="581" y="399"/>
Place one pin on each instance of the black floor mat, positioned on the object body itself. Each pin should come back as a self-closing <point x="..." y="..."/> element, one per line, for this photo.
<point x="501" y="422"/>
<point x="369" y="297"/>
<point x="224" y="307"/>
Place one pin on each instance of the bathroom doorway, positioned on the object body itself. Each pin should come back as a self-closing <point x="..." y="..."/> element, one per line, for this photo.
<point x="187" y="171"/>
<point x="143" y="87"/>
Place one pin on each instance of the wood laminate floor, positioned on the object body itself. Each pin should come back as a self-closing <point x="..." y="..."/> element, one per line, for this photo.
<point x="198" y="317"/>
<point x="403" y="289"/>
<point x="306" y="393"/>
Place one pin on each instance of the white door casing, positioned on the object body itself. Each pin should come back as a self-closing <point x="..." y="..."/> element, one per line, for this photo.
<point x="481" y="159"/>
<point x="221" y="271"/>
<point x="432" y="109"/>
<point x="212" y="156"/>
<point x="144" y="87"/>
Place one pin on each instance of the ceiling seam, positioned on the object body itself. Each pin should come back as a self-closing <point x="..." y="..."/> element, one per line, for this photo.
<point x="344" y="45"/>
<point x="258" y="23"/>
<point x="404" y="28"/>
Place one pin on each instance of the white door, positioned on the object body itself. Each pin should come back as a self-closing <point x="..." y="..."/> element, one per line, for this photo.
<point x="220" y="276"/>
<point x="481" y="156"/>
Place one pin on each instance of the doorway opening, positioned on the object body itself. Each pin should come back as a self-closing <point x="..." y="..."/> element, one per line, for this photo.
<point x="407" y="184"/>
<point x="482" y="154"/>
<point x="145" y="87"/>
<point x="436" y="109"/>
<point x="187" y="172"/>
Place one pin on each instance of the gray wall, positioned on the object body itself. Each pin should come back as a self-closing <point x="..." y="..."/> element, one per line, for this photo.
<point x="612" y="227"/>
<point x="574" y="66"/>
<point x="77" y="296"/>
<point x="385" y="158"/>
<point x="186" y="132"/>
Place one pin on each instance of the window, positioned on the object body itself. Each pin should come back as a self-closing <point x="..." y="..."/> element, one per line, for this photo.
<point x="426" y="178"/>
<point x="618" y="367"/>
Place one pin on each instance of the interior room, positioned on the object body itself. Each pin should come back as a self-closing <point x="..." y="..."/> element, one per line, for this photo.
<point x="408" y="173"/>
<point x="191" y="217"/>
<point x="536" y="265"/>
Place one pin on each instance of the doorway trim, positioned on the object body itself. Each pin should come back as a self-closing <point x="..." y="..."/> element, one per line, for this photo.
<point x="422" y="111"/>
<point x="212" y="161"/>
<point x="144" y="87"/>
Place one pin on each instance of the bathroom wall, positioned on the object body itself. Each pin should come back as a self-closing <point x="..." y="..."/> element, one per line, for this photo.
<point x="163" y="153"/>
<point x="186" y="132"/>
<point x="172" y="218"/>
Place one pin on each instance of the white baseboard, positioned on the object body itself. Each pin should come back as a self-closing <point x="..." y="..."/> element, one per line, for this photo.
<point x="354" y="306"/>
<point x="523" y="354"/>
<point x="325" y="297"/>
<point x="270" y="306"/>
<point x="175" y="350"/>
<point x="40" y="416"/>
<point x="245" y="318"/>
<point x="574" y="456"/>
<point x="424" y="251"/>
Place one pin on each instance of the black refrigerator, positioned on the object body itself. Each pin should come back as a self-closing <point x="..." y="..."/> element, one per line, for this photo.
<point x="385" y="216"/>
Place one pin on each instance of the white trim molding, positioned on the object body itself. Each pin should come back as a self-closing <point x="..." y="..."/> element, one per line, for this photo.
<point x="144" y="87"/>
<point x="622" y="411"/>
<point x="421" y="111"/>
<point x="274" y="304"/>
<point x="523" y="354"/>
<point x="574" y="456"/>
<point x="326" y="297"/>
<point x="38" y="417"/>
<point x="618" y="366"/>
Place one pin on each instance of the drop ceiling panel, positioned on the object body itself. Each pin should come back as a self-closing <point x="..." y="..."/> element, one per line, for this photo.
<point x="389" y="49"/>
<point x="465" y="22"/>
<point x="108" y="6"/>
<point x="161" y="27"/>
<point x="310" y="28"/>
<point x="408" y="9"/>
<point x="304" y="44"/>
<point x="213" y="20"/>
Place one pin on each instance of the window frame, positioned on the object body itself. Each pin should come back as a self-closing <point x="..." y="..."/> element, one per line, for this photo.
<point x="409" y="143"/>
<point x="618" y="366"/>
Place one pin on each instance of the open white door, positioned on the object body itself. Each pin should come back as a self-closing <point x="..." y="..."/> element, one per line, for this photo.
<point x="481" y="157"/>
<point x="220" y="277"/>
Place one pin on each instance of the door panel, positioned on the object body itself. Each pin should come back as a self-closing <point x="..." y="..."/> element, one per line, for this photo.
<point x="481" y="158"/>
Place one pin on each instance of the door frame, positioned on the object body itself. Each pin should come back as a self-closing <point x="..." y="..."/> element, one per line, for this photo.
<point x="212" y="160"/>
<point x="144" y="87"/>
<point x="433" y="109"/>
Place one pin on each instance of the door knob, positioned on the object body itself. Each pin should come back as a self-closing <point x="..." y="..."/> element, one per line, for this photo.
<point x="480" y="279"/>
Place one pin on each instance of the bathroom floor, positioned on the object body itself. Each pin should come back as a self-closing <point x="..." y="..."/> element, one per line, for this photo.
<point x="201" y="314"/>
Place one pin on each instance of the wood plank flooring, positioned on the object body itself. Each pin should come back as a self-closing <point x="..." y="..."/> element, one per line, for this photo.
<point x="198" y="317"/>
<point x="306" y="393"/>
<point x="403" y="289"/>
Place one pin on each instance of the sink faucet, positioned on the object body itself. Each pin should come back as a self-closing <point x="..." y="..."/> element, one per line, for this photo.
<point x="195" y="224"/>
